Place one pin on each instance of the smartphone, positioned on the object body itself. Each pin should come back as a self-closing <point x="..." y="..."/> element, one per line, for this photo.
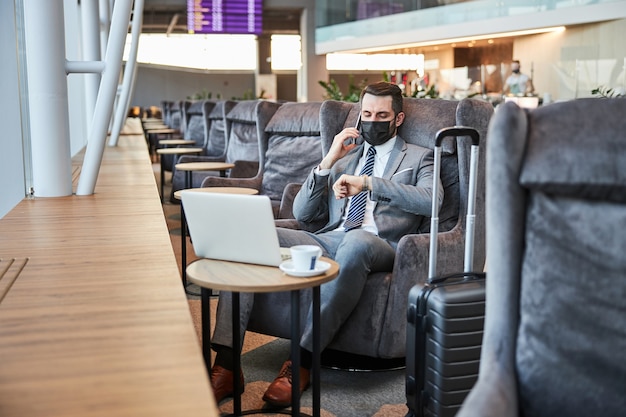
<point x="356" y="126"/>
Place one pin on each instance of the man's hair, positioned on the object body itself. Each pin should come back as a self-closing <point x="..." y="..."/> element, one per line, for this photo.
<point x="516" y="61"/>
<point x="385" y="89"/>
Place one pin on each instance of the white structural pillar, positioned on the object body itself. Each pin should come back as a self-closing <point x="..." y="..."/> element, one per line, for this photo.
<point x="90" y="17"/>
<point x="313" y="66"/>
<point x="47" y="98"/>
<point x="106" y="96"/>
<point x="130" y="70"/>
<point x="105" y="7"/>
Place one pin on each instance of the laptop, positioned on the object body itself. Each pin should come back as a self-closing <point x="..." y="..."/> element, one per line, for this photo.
<point x="232" y="227"/>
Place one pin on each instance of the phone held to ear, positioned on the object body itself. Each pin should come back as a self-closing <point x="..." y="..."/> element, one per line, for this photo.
<point x="356" y="126"/>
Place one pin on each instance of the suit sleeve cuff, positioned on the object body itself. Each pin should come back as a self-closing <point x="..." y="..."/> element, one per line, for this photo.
<point x="321" y="172"/>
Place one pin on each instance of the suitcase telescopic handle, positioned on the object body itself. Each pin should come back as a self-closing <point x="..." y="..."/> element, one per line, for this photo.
<point x="454" y="131"/>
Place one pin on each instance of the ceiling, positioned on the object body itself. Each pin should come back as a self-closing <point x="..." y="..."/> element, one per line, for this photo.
<point x="170" y="16"/>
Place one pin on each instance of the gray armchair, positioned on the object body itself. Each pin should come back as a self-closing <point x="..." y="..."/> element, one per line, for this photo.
<point x="289" y="147"/>
<point x="555" y="321"/>
<point x="197" y="122"/>
<point x="176" y="115"/>
<point x="212" y="124"/>
<point x="216" y="137"/>
<point x="178" y="118"/>
<point x="242" y="142"/>
<point x="377" y="327"/>
<point x="166" y="111"/>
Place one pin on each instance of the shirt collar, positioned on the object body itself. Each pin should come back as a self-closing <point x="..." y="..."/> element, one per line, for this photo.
<point x="383" y="149"/>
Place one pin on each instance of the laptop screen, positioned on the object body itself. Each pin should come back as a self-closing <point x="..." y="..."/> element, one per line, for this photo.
<point x="232" y="227"/>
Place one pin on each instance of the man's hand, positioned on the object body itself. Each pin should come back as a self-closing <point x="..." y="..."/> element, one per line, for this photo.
<point x="347" y="185"/>
<point x="342" y="144"/>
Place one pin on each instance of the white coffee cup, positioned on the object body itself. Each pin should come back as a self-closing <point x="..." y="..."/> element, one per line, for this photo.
<point x="304" y="257"/>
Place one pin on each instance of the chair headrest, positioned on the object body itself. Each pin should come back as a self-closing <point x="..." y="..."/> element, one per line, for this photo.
<point x="296" y="118"/>
<point x="578" y="149"/>
<point x="195" y="107"/>
<point x="424" y="118"/>
<point x="218" y="110"/>
<point x="244" y="111"/>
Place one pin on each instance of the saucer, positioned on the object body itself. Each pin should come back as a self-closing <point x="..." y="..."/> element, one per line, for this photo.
<point x="320" y="268"/>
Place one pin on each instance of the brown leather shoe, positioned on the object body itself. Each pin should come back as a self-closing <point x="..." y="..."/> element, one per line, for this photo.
<point x="279" y="391"/>
<point x="222" y="381"/>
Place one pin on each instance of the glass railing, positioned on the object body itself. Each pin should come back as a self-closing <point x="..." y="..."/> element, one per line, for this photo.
<point x="333" y="12"/>
<point x="368" y="23"/>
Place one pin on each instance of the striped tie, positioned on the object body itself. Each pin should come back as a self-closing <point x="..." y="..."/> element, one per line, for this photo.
<point x="357" y="205"/>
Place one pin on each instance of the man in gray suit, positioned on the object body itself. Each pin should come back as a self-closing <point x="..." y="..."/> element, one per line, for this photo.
<point x="369" y="195"/>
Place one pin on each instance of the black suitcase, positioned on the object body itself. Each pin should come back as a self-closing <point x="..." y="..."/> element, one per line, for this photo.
<point x="446" y="316"/>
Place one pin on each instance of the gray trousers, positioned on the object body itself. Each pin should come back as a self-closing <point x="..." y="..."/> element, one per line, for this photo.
<point x="357" y="252"/>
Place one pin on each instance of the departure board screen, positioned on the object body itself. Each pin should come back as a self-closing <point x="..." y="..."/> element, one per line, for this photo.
<point x="224" y="16"/>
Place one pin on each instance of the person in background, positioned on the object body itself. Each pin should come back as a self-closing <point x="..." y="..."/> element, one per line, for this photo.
<point x="389" y="182"/>
<point x="518" y="83"/>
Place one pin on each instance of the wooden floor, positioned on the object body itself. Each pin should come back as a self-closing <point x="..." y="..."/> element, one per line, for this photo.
<point x="93" y="317"/>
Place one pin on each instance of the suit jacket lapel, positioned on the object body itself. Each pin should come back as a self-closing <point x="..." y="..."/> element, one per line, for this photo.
<point x="395" y="158"/>
<point x="354" y="162"/>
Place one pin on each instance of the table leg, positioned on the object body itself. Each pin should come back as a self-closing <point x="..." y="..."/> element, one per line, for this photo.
<point x="295" y="350"/>
<point x="183" y="247"/>
<point x="206" y="326"/>
<point x="295" y="353"/>
<point x="149" y="143"/>
<point x="316" y="352"/>
<point x="183" y="237"/>
<point x="188" y="179"/>
<point x="236" y="354"/>
<point x="162" y="178"/>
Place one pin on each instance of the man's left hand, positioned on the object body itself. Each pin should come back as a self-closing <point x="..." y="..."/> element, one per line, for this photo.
<point x="347" y="185"/>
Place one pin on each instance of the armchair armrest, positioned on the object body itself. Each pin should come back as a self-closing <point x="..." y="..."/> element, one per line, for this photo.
<point x="411" y="264"/>
<point x="411" y="268"/>
<point x="413" y="251"/>
<point x="285" y="216"/>
<point x="200" y="158"/>
<point x="494" y="394"/>
<point x="233" y="182"/>
<point x="245" y="169"/>
<point x="286" y="202"/>
<point x="288" y="223"/>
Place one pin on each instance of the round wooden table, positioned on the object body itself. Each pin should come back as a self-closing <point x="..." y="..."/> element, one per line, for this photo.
<point x="152" y="134"/>
<point x="239" y="277"/>
<point x="176" y="142"/>
<point x="176" y="152"/>
<point x="183" y="221"/>
<point x="161" y="130"/>
<point x="189" y="167"/>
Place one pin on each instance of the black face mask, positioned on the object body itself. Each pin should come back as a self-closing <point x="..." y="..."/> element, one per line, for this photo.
<point x="516" y="71"/>
<point x="377" y="133"/>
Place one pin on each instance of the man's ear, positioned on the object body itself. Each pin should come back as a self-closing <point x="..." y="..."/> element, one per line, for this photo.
<point x="399" y="118"/>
